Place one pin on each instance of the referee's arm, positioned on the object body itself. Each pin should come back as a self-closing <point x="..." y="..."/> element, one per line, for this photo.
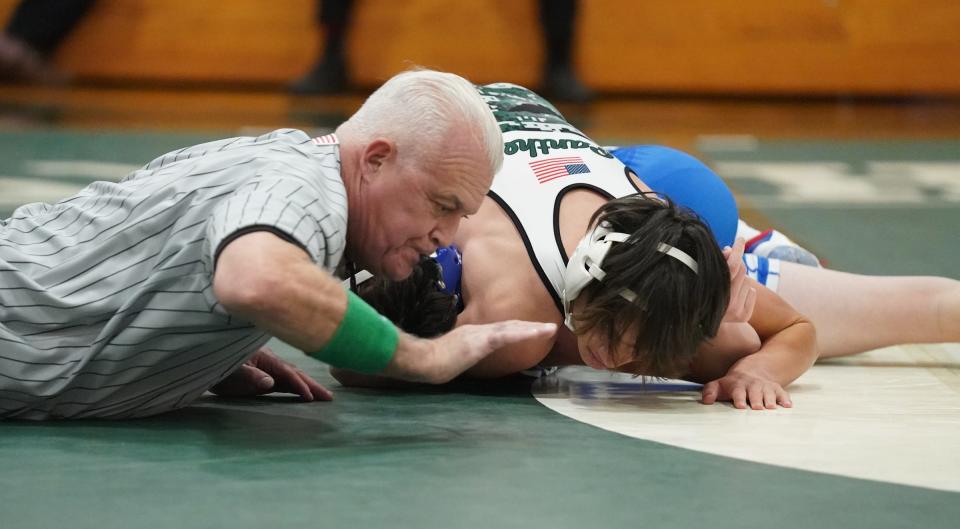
<point x="274" y="284"/>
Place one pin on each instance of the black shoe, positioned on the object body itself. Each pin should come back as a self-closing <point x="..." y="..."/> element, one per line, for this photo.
<point x="19" y="63"/>
<point x="561" y="84"/>
<point x="327" y="77"/>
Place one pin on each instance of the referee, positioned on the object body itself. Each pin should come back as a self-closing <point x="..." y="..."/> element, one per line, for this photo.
<point x="134" y="298"/>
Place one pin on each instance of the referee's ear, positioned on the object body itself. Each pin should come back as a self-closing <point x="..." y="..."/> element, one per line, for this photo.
<point x="378" y="154"/>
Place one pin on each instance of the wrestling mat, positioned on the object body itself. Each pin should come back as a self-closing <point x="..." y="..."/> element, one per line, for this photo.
<point x="891" y="415"/>
<point x="871" y="441"/>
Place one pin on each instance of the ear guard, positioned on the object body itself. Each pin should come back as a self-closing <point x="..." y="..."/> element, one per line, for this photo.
<point x="584" y="265"/>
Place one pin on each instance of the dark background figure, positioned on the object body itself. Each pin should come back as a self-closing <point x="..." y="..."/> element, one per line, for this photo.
<point x="329" y="74"/>
<point x="34" y="33"/>
<point x="559" y="81"/>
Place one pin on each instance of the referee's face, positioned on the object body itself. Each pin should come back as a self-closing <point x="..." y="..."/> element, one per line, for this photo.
<point x="414" y="208"/>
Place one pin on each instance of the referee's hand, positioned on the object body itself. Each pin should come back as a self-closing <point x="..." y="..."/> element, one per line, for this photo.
<point x="440" y="360"/>
<point x="265" y="372"/>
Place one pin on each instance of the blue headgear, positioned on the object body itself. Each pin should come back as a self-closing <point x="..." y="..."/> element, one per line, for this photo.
<point x="451" y="268"/>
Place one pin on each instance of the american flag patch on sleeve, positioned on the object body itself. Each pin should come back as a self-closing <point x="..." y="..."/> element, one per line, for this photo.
<point x="552" y="168"/>
<point x="329" y="139"/>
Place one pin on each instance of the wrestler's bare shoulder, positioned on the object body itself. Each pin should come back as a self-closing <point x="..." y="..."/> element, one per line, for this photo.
<point x="498" y="274"/>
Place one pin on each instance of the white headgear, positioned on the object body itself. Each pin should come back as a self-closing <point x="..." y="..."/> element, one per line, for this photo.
<point x="584" y="265"/>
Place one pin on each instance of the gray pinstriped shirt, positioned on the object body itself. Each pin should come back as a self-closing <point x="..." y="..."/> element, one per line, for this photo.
<point x="106" y="302"/>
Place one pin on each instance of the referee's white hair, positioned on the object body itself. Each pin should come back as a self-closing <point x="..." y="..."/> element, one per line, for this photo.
<point x="417" y="108"/>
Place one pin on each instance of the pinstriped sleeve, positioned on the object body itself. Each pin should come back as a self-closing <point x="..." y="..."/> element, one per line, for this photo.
<point x="309" y="210"/>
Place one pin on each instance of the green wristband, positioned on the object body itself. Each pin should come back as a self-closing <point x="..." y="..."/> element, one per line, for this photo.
<point x="365" y="341"/>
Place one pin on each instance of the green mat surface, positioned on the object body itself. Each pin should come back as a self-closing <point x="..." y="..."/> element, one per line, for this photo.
<point x="471" y="457"/>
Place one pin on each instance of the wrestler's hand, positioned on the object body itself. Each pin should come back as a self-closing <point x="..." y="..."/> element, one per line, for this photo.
<point x="265" y="372"/>
<point x="439" y="360"/>
<point x="743" y="295"/>
<point x="744" y="388"/>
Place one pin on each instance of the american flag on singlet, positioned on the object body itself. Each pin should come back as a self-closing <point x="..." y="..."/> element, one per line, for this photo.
<point x="549" y="169"/>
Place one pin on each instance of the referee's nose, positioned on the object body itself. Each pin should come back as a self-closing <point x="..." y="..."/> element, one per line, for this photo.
<point x="442" y="234"/>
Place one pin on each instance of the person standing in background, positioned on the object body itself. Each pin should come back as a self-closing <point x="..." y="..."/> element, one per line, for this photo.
<point x="559" y="81"/>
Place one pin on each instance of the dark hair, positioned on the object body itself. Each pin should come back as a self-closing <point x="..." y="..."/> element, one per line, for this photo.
<point x="415" y="304"/>
<point x="675" y="309"/>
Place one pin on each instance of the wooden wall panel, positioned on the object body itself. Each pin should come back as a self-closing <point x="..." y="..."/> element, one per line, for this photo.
<point x="873" y="46"/>
<point x="706" y="46"/>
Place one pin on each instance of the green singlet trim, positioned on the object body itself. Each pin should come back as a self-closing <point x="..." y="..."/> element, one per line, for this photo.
<point x="365" y="340"/>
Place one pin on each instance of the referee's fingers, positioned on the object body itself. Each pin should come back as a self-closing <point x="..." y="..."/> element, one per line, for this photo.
<point x="508" y="332"/>
<point x="319" y="392"/>
<point x="246" y="381"/>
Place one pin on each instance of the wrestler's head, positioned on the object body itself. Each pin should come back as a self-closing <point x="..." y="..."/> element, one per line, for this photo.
<point x="653" y="286"/>
<point x="415" y="304"/>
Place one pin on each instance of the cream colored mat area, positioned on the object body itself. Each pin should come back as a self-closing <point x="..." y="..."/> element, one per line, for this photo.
<point x="891" y="415"/>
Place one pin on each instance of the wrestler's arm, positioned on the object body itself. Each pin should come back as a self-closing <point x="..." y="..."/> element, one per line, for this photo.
<point x="493" y="291"/>
<point x="735" y="338"/>
<point x="788" y="348"/>
<point x="513" y="303"/>
<point x="733" y="341"/>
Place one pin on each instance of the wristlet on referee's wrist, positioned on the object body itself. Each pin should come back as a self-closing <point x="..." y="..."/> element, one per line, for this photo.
<point x="364" y="342"/>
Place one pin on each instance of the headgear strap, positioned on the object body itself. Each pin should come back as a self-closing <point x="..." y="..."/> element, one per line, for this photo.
<point x="584" y="265"/>
<point x="679" y="255"/>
